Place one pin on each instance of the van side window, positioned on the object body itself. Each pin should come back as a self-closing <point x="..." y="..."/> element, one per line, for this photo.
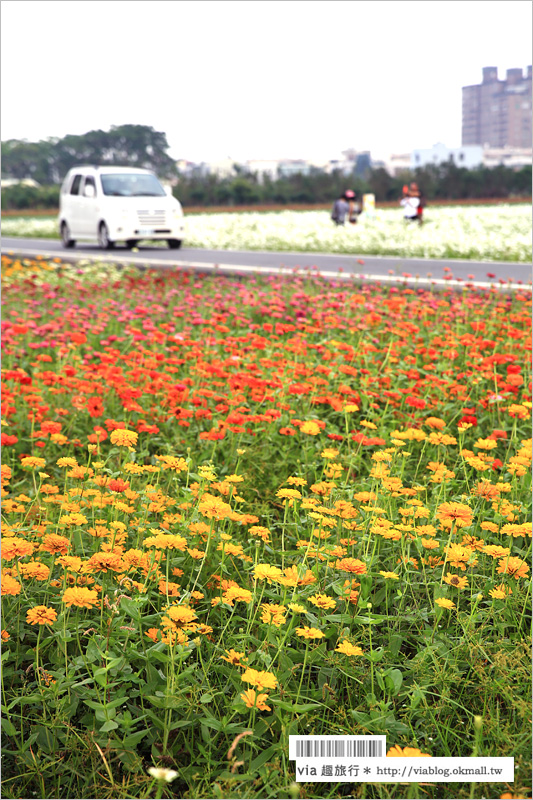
<point x="75" y="188"/>
<point x="89" y="181"/>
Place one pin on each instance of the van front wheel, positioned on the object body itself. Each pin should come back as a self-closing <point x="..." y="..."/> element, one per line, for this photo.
<point x="103" y="237"/>
<point x="174" y="244"/>
<point x="65" y="236"/>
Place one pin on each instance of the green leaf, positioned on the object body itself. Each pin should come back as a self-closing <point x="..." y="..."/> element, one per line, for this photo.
<point x="166" y="701"/>
<point x="395" y="644"/>
<point x="211" y="722"/>
<point x="8" y="728"/>
<point x="417" y="697"/>
<point x="100" y="676"/>
<point x="131" y="608"/>
<point x="155" y="655"/>
<point x="46" y="739"/>
<point x="376" y="655"/>
<point x="94" y="704"/>
<point x="110" y="725"/>
<point x="393" y="681"/>
<point x="262" y="758"/>
<point x="133" y="739"/>
<point x="298" y="708"/>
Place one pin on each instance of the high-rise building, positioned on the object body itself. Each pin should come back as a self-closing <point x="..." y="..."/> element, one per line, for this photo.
<point x="497" y="113"/>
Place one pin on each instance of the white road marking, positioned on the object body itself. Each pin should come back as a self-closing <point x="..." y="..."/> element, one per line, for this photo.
<point x="313" y="271"/>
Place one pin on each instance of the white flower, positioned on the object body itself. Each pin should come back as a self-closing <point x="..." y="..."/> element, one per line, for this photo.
<point x="486" y="233"/>
<point x="162" y="774"/>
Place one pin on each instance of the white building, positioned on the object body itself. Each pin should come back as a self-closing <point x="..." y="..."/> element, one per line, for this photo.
<point x="514" y="157"/>
<point x="262" y="167"/>
<point x="223" y="168"/>
<point x="397" y="163"/>
<point x="294" y="166"/>
<point x="468" y="156"/>
<point x="472" y="155"/>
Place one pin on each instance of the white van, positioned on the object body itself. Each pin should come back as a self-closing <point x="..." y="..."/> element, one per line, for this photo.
<point x="113" y="204"/>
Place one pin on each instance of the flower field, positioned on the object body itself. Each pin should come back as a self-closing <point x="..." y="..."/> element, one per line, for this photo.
<point x="490" y="233"/>
<point x="235" y="511"/>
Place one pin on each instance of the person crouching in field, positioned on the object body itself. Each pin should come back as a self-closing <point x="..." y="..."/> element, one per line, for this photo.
<point x="340" y="210"/>
<point x="411" y="203"/>
<point x="354" y="207"/>
<point x="414" y="191"/>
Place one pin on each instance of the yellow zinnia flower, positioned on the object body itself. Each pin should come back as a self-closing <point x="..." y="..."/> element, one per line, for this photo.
<point x="264" y="572"/>
<point x="391" y="575"/>
<point x="455" y="580"/>
<point x="322" y="601"/>
<point x="443" y="602"/>
<point x="309" y="633"/>
<point x="348" y="649"/>
<point x="310" y="428"/>
<point x="262" y="680"/>
<point x="123" y="437"/>
<point x="32" y="461"/>
<point x="406" y="752"/>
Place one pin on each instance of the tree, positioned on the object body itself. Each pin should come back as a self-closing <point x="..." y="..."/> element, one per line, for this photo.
<point x="142" y="146"/>
<point x="244" y="192"/>
<point x="22" y="159"/>
<point x="124" y="145"/>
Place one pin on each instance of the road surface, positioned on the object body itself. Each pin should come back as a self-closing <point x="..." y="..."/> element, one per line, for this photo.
<point x="385" y="269"/>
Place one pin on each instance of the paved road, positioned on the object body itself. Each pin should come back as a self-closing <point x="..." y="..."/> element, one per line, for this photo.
<point x="422" y="271"/>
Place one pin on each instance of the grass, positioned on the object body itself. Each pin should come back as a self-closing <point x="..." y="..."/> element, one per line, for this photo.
<point x="277" y="506"/>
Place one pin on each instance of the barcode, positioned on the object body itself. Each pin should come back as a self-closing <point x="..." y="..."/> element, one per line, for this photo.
<point x="338" y="748"/>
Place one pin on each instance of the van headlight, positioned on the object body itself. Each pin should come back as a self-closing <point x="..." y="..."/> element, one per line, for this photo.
<point x="178" y="212"/>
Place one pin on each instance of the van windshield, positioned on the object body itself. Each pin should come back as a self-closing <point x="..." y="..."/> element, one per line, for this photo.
<point x="131" y="185"/>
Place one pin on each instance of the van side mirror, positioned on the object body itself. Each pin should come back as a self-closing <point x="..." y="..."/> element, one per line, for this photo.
<point x="168" y="189"/>
<point x="89" y="191"/>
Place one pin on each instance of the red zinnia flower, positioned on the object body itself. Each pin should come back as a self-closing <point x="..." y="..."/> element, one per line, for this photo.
<point x="95" y="407"/>
<point x="118" y="485"/>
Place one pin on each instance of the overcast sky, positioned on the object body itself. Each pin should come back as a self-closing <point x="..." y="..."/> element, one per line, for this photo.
<point x="255" y="78"/>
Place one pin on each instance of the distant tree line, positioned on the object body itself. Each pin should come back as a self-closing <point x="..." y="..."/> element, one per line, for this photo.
<point x="47" y="162"/>
<point x="436" y="182"/>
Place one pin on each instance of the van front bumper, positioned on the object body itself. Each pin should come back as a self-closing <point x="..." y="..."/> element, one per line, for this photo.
<point x="126" y="233"/>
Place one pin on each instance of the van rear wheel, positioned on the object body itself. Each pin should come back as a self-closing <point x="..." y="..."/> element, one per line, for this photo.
<point x="174" y="244"/>
<point x="103" y="237"/>
<point x="65" y="236"/>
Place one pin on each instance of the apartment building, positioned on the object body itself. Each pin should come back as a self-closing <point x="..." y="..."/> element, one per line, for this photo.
<point x="497" y="113"/>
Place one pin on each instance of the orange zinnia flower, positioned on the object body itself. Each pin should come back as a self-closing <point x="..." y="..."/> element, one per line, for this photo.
<point x="513" y="566"/>
<point x="80" y="596"/>
<point x="351" y="565"/>
<point x="448" y="513"/>
<point x="41" y="615"/>
<point x="10" y="585"/>
<point x="254" y="700"/>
